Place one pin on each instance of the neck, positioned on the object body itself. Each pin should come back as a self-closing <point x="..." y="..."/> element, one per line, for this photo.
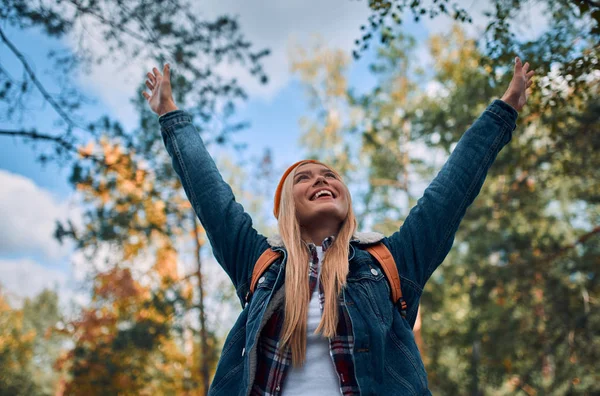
<point x="317" y="235"/>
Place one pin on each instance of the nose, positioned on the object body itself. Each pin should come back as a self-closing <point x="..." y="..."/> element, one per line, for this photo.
<point x="320" y="178"/>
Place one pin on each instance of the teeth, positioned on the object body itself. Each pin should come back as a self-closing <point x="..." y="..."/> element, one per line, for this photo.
<point x="322" y="192"/>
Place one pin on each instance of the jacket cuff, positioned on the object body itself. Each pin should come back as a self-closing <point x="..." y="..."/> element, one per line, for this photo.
<point x="174" y="117"/>
<point x="505" y="112"/>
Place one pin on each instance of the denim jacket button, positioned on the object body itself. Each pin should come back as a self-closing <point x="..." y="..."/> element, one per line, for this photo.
<point x="374" y="271"/>
<point x="243" y="351"/>
<point x="261" y="279"/>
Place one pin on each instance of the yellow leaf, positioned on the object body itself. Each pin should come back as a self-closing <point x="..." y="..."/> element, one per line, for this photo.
<point x="87" y="150"/>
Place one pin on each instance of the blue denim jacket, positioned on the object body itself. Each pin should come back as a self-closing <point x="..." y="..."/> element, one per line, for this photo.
<point x="387" y="361"/>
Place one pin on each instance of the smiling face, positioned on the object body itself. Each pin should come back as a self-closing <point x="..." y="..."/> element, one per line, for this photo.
<point x="319" y="195"/>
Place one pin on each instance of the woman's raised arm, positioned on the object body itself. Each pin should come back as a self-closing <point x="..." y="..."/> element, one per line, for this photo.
<point x="236" y="244"/>
<point x="427" y="234"/>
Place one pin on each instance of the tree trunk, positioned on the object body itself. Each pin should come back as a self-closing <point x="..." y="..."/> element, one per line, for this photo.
<point x="204" y="358"/>
<point x="410" y="202"/>
<point x="476" y="343"/>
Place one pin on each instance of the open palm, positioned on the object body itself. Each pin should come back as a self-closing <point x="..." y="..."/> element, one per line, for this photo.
<point x="516" y="94"/>
<point x="160" y="98"/>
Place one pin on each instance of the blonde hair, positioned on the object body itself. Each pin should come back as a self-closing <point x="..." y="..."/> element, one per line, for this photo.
<point x="333" y="273"/>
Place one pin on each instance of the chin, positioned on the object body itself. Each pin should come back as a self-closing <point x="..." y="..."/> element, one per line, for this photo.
<point x="326" y="213"/>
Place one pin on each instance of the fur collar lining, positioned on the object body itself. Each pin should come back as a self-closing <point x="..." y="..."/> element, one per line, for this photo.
<point x="363" y="238"/>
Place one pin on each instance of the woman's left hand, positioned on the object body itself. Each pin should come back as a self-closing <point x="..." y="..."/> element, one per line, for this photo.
<point x="516" y="94"/>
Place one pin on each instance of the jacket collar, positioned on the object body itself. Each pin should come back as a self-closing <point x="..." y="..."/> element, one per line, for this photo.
<point x="362" y="238"/>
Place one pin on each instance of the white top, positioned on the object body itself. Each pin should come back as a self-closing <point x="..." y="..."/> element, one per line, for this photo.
<point x="317" y="376"/>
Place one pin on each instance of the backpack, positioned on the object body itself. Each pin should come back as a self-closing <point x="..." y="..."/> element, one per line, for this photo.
<point x="379" y="251"/>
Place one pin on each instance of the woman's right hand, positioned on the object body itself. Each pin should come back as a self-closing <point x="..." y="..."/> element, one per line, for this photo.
<point x="161" y="97"/>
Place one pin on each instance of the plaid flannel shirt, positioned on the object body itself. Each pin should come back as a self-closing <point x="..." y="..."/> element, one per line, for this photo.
<point x="273" y="361"/>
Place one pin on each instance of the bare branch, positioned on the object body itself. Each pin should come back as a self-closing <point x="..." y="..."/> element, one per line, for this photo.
<point x="63" y="114"/>
<point x="60" y="141"/>
<point x="39" y="136"/>
<point x="579" y="241"/>
<point x="102" y="19"/>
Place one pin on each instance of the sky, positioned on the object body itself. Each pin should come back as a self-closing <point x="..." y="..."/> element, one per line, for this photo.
<point x="34" y="196"/>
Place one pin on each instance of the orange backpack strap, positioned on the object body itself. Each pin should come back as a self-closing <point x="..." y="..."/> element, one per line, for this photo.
<point x="379" y="251"/>
<point x="264" y="261"/>
<point x="386" y="260"/>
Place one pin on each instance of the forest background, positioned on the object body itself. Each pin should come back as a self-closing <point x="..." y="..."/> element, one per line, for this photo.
<point x="107" y="282"/>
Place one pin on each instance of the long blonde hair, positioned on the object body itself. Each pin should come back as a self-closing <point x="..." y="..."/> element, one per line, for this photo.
<point x="333" y="274"/>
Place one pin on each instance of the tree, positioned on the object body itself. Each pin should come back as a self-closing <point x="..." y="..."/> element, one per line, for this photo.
<point x="42" y="314"/>
<point x="566" y="52"/>
<point x="135" y="206"/>
<point x="132" y="198"/>
<point x="322" y="72"/>
<point x="132" y="31"/>
<point x="124" y="342"/>
<point x="523" y="323"/>
<point x="511" y="308"/>
<point x="28" y="345"/>
<point x="367" y="136"/>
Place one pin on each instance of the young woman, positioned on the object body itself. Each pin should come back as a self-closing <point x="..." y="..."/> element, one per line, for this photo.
<point x="321" y="321"/>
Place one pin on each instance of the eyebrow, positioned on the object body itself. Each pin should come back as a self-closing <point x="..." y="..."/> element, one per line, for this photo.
<point x="323" y="170"/>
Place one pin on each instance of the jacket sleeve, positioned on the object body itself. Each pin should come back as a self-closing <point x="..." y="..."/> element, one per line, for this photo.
<point x="235" y="243"/>
<point x="425" y="238"/>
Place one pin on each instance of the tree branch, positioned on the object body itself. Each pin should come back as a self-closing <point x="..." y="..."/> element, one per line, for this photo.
<point x="102" y="19"/>
<point x="579" y="241"/>
<point x="592" y="3"/>
<point x="39" y="136"/>
<point x="63" y="114"/>
<point x="60" y="141"/>
<point x="523" y="379"/>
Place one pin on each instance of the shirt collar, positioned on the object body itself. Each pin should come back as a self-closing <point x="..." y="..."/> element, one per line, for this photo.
<point x="327" y="242"/>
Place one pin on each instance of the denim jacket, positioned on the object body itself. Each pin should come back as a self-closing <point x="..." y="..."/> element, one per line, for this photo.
<point x="386" y="358"/>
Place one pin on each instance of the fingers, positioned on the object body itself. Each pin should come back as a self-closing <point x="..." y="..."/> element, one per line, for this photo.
<point x="518" y="65"/>
<point x="155" y="78"/>
<point x="520" y="68"/>
<point x="151" y="78"/>
<point x="529" y="83"/>
<point x="167" y="72"/>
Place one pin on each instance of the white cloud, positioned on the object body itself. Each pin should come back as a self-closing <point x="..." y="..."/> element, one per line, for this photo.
<point x="270" y="24"/>
<point x="29" y="214"/>
<point x="24" y="277"/>
<point x="275" y="23"/>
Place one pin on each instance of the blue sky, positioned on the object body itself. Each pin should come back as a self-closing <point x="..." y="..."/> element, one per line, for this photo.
<point x="32" y="196"/>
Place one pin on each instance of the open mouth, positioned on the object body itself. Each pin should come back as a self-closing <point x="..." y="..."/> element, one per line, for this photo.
<point x="322" y="195"/>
